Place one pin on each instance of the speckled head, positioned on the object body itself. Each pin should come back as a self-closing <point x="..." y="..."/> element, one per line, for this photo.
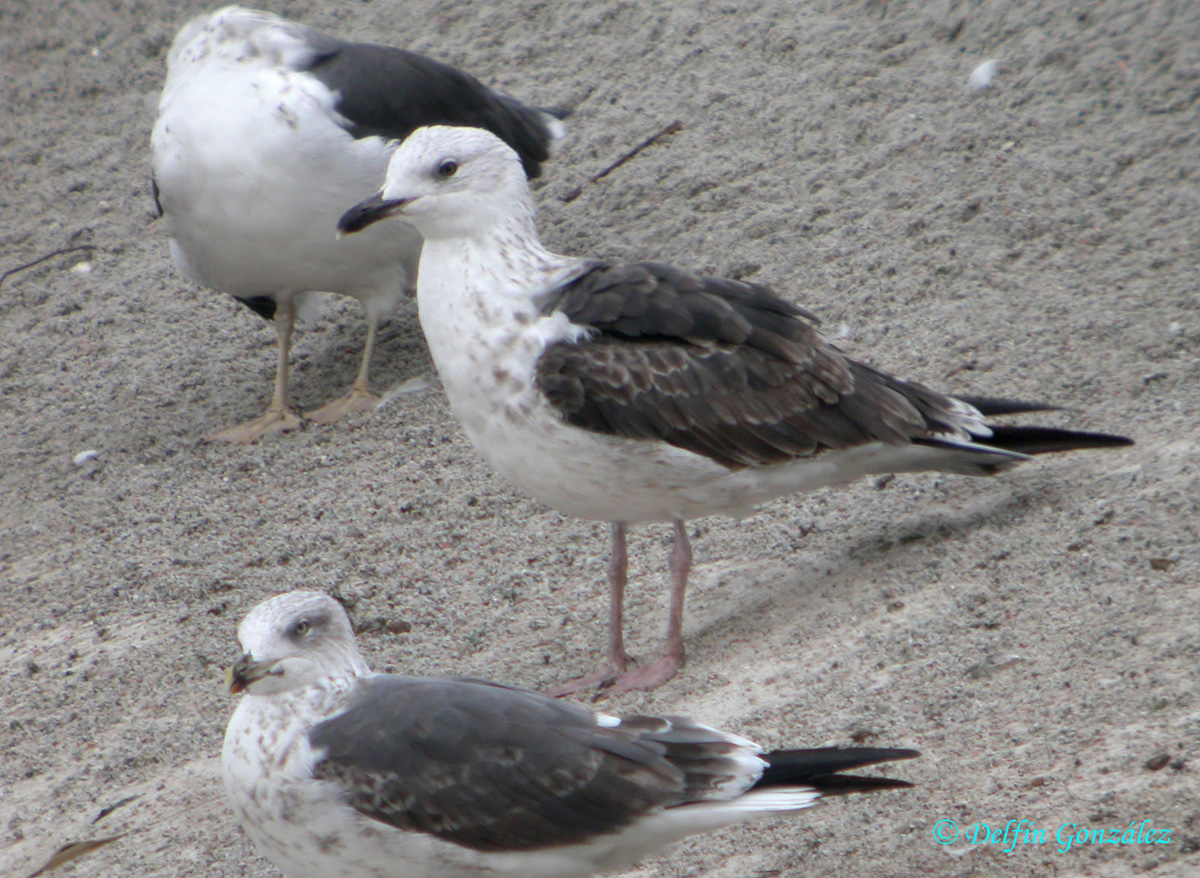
<point x="294" y="640"/>
<point x="449" y="183"/>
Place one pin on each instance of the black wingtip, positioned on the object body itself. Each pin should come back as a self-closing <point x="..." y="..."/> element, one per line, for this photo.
<point x="847" y="784"/>
<point x="1037" y="440"/>
<point x="1047" y="440"/>
<point x="820" y="768"/>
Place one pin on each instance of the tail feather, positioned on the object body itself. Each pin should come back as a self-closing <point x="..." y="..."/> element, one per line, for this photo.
<point x="552" y="118"/>
<point x="819" y="769"/>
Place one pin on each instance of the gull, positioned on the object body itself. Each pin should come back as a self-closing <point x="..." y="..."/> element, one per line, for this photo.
<point x="642" y="392"/>
<point x="266" y="132"/>
<point x="336" y="772"/>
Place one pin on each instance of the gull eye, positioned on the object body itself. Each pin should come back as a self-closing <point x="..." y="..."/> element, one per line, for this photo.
<point x="447" y="168"/>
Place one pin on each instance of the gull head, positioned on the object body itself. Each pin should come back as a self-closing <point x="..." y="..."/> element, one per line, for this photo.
<point x="449" y="183"/>
<point x="294" y="640"/>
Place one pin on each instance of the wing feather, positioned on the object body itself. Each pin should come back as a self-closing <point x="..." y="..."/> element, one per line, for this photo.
<point x="490" y="767"/>
<point x="722" y="368"/>
<point x="497" y="768"/>
<point x="391" y="92"/>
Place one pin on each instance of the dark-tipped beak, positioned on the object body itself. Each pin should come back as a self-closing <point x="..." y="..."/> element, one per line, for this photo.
<point x="370" y="211"/>
<point x="245" y="671"/>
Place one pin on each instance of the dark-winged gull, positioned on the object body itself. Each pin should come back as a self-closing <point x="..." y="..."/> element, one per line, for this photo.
<point x="631" y="393"/>
<point x="339" y="773"/>
<point x="267" y="131"/>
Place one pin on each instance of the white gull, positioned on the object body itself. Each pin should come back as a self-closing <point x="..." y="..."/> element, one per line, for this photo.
<point x="641" y="392"/>
<point x="335" y="772"/>
<point x="266" y="132"/>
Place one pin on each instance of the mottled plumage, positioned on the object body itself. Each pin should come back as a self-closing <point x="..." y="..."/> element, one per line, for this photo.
<point x="642" y="392"/>
<point x="724" y="369"/>
<point x="338" y="773"/>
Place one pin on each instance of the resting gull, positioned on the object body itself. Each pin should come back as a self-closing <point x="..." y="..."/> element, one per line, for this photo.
<point x="630" y="393"/>
<point x="267" y="131"/>
<point x="336" y="772"/>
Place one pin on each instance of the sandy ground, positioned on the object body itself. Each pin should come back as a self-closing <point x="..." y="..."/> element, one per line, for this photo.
<point x="1036" y="635"/>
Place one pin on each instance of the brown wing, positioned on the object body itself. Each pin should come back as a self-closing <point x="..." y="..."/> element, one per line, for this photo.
<point x="721" y="368"/>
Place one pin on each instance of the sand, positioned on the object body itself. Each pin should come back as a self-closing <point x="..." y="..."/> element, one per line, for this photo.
<point x="1036" y="635"/>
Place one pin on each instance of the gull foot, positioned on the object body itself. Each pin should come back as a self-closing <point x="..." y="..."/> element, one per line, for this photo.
<point x="649" y="677"/>
<point x="602" y="678"/>
<point x="354" y="401"/>
<point x="270" y="422"/>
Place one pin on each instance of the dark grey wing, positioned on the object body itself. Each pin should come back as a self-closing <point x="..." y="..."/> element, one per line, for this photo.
<point x="491" y="767"/>
<point x="722" y="368"/>
<point x="391" y="92"/>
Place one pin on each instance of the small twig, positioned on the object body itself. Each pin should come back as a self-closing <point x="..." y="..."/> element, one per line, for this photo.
<point x="40" y="259"/>
<point x="649" y="141"/>
<point x="73" y="851"/>
<point x="104" y="812"/>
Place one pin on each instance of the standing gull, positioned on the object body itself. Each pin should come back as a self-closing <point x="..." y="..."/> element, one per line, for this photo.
<point x="267" y="131"/>
<point x="640" y="392"/>
<point x="339" y="773"/>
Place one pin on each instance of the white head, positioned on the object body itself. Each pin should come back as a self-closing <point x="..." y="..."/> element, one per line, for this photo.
<point x="449" y="183"/>
<point x="293" y="640"/>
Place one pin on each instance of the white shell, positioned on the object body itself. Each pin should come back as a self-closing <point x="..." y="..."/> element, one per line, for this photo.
<point x="981" y="77"/>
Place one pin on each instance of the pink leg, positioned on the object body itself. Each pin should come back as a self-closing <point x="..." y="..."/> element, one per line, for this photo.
<point x="668" y="665"/>
<point x="618" y="578"/>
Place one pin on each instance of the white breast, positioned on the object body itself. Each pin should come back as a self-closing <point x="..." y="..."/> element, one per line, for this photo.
<point x="486" y="333"/>
<point x="254" y="172"/>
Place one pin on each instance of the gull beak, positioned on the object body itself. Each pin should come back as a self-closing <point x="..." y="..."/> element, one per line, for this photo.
<point x="245" y="671"/>
<point x="370" y="211"/>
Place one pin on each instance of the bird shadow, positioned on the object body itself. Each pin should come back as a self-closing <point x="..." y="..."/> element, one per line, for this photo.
<point x="942" y="525"/>
<point x="764" y="601"/>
